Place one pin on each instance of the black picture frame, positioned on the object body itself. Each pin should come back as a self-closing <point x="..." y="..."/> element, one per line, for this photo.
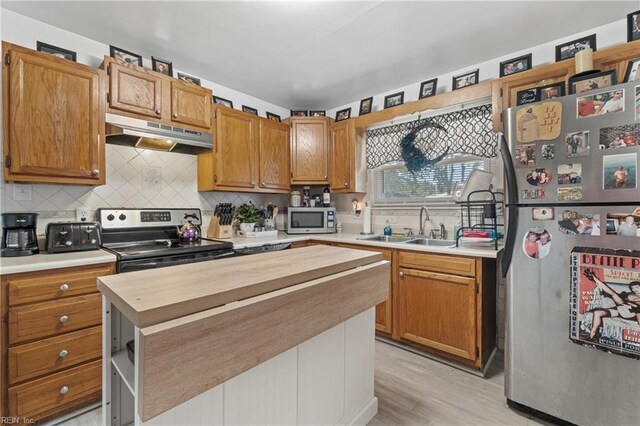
<point x="366" y="105"/>
<point x="189" y="78"/>
<point x="593" y="76"/>
<point x="393" y="100"/>
<point x="299" y="113"/>
<point x="527" y="96"/>
<point x="633" y="64"/>
<point x="274" y="117"/>
<point x="570" y="53"/>
<point x="125" y="55"/>
<point x="465" y="80"/>
<point x="428" y="88"/>
<point x="551" y="91"/>
<point x="633" y="26"/>
<point x="222" y="101"/>
<point x="317" y="113"/>
<point x="510" y="66"/>
<point x="56" y="51"/>
<point x="249" y="110"/>
<point x="343" y="114"/>
<point x="157" y="66"/>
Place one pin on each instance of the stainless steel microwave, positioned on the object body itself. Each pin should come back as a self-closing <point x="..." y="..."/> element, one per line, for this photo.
<point x="311" y="220"/>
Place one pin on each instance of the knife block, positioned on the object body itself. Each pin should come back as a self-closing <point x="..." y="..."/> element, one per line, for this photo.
<point x="219" y="231"/>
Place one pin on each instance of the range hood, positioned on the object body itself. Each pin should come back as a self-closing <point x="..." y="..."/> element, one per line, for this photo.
<point x="145" y="134"/>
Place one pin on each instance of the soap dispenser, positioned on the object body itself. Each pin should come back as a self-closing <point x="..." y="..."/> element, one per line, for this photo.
<point x="387" y="228"/>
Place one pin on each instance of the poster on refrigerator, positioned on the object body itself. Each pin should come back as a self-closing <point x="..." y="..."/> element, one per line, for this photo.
<point x="605" y="299"/>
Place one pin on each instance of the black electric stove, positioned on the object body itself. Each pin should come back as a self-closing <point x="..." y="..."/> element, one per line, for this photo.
<point x="148" y="238"/>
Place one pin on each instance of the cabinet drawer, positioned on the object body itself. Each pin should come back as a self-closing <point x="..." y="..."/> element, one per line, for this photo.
<point x="432" y="262"/>
<point x="55" y="392"/>
<point x="50" y="318"/>
<point x="54" y="354"/>
<point x="48" y="285"/>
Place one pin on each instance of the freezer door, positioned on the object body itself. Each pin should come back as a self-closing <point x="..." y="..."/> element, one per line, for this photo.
<point x="574" y="167"/>
<point x="544" y="369"/>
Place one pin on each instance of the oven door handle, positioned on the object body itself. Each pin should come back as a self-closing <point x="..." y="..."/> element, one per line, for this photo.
<point x="220" y="256"/>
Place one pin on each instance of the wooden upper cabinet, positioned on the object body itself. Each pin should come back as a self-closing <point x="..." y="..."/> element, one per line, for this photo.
<point x="135" y="90"/>
<point x="54" y="119"/>
<point x="309" y="150"/>
<point x="274" y="155"/>
<point x="236" y="149"/>
<point x="190" y="104"/>
<point x="342" y="145"/>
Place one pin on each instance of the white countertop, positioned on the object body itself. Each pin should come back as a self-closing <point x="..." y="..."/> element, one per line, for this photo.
<point x="240" y="242"/>
<point x="44" y="261"/>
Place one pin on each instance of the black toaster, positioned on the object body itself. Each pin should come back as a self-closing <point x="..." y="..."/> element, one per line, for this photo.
<point x="63" y="237"/>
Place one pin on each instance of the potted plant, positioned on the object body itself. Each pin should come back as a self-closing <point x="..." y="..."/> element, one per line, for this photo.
<point x="248" y="215"/>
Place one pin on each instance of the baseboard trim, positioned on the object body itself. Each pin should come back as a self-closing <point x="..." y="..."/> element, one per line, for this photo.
<point x="366" y="414"/>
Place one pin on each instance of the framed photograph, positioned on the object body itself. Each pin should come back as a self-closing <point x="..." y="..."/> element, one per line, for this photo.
<point x="464" y="80"/>
<point x="393" y="100"/>
<point x="515" y="65"/>
<point x="317" y="113"/>
<point x="125" y="56"/>
<point x="633" y="71"/>
<point x="162" y="66"/>
<point x="600" y="103"/>
<point x="56" y="51"/>
<point x="274" y="117"/>
<point x="343" y="114"/>
<point x="428" y="88"/>
<point x="222" y="101"/>
<point x="569" y="50"/>
<point x="633" y="26"/>
<point x="249" y="110"/>
<point x="594" y="81"/>
<point x="188" y="78"/>
<point x="619" y="171"/>
<point x="527" y="96"/>
<point x="551" y="91"/>
<point x="542" y="213"/>
<point x="365" y="106"/>
<point x="299" y="113"/>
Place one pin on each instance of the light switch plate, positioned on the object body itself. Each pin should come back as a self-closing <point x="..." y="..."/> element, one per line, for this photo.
<point x="83" y="214"/>
<point x="21" y="192"/>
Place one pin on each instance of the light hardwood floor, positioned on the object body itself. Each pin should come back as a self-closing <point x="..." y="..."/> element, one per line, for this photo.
<point x="414" y="390"/>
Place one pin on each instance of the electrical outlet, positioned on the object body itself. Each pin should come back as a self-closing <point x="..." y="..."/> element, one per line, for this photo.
<point x="83" y="214"/>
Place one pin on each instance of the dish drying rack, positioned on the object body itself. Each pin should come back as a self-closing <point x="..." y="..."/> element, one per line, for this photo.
<point x="480" y="215"/>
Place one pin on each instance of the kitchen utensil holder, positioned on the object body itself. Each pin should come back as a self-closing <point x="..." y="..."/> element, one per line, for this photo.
<point x="481" y="215"/>
<point x="219" y="231"/>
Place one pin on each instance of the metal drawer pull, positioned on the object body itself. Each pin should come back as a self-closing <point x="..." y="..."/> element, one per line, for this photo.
<point x="64" y="319"/>
<point x="401" y="274"/>
<point x="64" y="390"/>
<point x="64" y="287"/>
<point x="63" y="353"/>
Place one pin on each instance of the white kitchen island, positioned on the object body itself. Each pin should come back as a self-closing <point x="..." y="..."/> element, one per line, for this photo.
<point x="276" y="339"/>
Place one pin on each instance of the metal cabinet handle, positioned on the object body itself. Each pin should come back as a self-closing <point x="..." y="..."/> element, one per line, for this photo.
<point x="95" y="172"/>
<point x="175" y="115"/>
<point x="325" y="177"/>
<point x="401" y="274"/>
<point x="158" y="111"/>
<point x="64" y="319"/>
<point x="63" y="353"/>
<point x="253" y="184"/>
<point x="264" y="184"/>
<point x="64" y="390"/>
<point x="64" y="287"/>
<point x="346" y="184"/>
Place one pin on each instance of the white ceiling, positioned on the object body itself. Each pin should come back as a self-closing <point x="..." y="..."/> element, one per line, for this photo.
<point x="320" y="55"/>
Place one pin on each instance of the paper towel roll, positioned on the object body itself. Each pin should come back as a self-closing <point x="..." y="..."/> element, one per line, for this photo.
<point x="366" y="224"/>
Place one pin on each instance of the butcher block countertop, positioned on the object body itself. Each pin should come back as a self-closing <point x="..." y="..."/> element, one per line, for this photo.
<point x="153" y="296"/>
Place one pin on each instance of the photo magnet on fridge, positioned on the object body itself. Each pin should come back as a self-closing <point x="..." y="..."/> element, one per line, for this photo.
<point x="525" y="155"/>
<point x="541" y="121"/>
<point x="542" y="213"/>
<point x="575" y="223"/>
<point x="620" y="171"/>
<point x="619" y="136"/>
<point x="536" y="243"/>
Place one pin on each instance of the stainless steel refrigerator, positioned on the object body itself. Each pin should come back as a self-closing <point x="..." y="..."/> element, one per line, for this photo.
<point x="573" y="214"/>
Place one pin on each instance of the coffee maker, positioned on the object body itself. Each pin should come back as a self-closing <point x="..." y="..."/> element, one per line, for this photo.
<point x="19" y="234"/>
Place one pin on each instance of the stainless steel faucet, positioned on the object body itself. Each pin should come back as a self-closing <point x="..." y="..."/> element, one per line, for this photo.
<point x="428" y="217"/>
<point x="443" y="232"/>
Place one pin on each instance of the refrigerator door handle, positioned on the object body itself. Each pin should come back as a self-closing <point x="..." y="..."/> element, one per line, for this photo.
<point x="512" y="208"/>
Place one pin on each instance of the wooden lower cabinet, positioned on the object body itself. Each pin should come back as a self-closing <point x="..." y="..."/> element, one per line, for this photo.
<point x="51" y="341"/>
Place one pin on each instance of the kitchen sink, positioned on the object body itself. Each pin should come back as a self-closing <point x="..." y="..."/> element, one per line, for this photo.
<point x="388" y="239"/>
<point x="432" y="242"/>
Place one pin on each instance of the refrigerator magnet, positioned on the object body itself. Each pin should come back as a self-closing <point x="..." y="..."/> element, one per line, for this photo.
<point x="624" y="224"/>
<point x="525" y="155"/>
<point x="539" y="177"/>
<point x="542" y="213"/>
<point x="619" y="171"/>
<point x="536" y="243"/>
<point x="541" y="121"/>
<point x="532" y="194"/>
<point x="573" y="193"/>
<point x="577" y="144"/>
<point x="637" y="103"/>
<point x="569" y="174"/>
<point x="619" y="136"/>
<point x="575" y="223"/>
<point x="548" y="151"/>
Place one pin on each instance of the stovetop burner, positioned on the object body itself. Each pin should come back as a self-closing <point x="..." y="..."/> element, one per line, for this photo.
<point x="154" y="248"/>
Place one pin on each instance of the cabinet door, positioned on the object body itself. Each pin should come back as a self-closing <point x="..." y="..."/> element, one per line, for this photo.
<point x="190" y="104"/>
<point x="135" y="90"/>
<point x="54" y="119"/>
<point x="235" y="149"/>
<point x="309" y="150"/>
<point x="342" y="156"/>
<point x="274" y="155"/>
<point x="438" y="311"/>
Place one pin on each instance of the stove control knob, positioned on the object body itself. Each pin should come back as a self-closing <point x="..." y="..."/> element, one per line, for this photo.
<point x="93" y="241"/>
<point x="122" y="216"/>
<point x="67" y="243"/>
<point x="110" y="217"/>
